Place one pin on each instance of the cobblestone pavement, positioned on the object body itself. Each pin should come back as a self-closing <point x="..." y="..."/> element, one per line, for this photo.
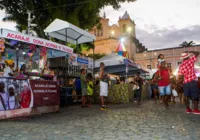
<point x="121" y="122"/>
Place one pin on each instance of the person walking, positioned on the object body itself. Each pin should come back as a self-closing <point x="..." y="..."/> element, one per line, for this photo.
<point x="164" y="87"/>
<point x="83" y="87"/>
<point x="138" y="92"/>
<point x="180" y="89"/>
<point x="191" y="91"/>
<point x="154" y="86"/>
<point x="90" y="89"/>
<point x="103" y="85"/>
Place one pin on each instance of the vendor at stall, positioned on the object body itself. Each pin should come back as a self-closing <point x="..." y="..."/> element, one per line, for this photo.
<point x="8" y="70"/>
<point x="47" y="71"/>
<point x="21" y="73"/>
<point x="2" y="67"/>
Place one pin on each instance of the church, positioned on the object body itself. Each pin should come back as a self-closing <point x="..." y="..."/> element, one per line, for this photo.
<point x="109" y="37"/>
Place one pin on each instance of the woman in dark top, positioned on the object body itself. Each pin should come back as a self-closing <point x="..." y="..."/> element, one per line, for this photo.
<point x="139" y="81"/>
<point x="154" y="85"/>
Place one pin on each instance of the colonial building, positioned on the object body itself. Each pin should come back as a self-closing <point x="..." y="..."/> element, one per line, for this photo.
<point x="108" y="37"/>
<point x="148" y="59"/>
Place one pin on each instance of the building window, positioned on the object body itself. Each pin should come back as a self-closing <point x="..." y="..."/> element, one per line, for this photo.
<point x="95" y="32"/>
<point x="169" y="65"/>
<point x="101" y="31"/>
<point x="178" y="63"/>
<point x="98" y="32"/>
<point x="124" y="28"/>
<point x="148" y="66"/>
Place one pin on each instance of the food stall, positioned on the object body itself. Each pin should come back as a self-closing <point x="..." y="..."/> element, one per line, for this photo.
<point x="69" y="67"/>
<point x="35" y="92"/>
<point x="116" y="65"/>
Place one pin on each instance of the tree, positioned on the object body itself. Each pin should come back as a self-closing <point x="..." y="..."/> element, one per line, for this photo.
<point x="80" y="47"/>
<point x="82" y="13"/>
<point x="97" y="55"/>
<point x="187" y="44"/>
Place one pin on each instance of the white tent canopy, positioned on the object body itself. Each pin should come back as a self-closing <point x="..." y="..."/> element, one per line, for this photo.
<point x="67" y="32"/>
<point x="110" y="60"/>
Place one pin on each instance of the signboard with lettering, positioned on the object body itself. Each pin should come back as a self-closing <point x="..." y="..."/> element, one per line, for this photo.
<point x="90" y="63"/>
<point x="22" y="97"/>
<point x="34" y="40"/>
<point x="45" y="93"/>
<point x="82" y="61"/>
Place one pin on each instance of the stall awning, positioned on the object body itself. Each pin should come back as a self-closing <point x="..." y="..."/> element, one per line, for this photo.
<point x="115" y="64"/>
<point x="63" y="30"/>
<point x="4" y="33"/>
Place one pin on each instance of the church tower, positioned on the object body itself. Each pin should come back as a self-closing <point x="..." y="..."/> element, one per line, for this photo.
<point x="127" y="29"/>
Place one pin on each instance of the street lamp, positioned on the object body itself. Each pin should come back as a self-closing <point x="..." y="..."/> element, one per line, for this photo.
<point x="112" y="33"/>
<point x="129" y="29"/>
<point x="122" y="40"/>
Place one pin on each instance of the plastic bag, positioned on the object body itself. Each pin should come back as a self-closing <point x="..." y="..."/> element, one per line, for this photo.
<point x="174" y="92"/>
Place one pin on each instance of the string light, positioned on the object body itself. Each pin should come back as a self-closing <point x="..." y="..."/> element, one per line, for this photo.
<point x="63" y="5"/>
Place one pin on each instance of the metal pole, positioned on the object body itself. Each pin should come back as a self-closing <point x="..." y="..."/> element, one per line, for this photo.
<point x="17" y="57"/>
<point x="29" y="21"/>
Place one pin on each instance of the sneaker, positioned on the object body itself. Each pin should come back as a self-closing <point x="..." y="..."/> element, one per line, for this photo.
<point x="188" y="111"/>
<point x="197" y="112"/>
<point x="104" y="107"/>
<point x="83" y="106"/>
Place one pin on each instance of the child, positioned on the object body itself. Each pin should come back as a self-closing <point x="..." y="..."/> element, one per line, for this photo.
<point x="83" y="87"/>
<point x="160" y="59"/>
<point x="90" y="90"/>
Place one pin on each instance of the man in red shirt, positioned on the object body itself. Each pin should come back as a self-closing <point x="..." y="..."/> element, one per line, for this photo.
<point x="164" y="83"/>
<point x="190" y="88"/>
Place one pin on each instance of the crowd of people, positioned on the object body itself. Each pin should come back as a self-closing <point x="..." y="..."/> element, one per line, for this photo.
<point x="164" y="86"/>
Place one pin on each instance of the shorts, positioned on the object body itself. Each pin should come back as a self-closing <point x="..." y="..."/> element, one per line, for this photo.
<point x="154" y="87"/>
<point x="78" y="91"/>
<point x="191" y="90"/>
<point x="103" y="89"/>
<point x="164" y="90"/>
<point x="84" y="91"/>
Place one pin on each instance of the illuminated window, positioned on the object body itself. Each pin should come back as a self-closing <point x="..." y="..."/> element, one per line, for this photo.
<point x="178" y="63"/>
<point x="148" y="66"/>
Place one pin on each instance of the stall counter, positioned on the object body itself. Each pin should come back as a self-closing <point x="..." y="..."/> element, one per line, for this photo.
<point x="34" y="97"/>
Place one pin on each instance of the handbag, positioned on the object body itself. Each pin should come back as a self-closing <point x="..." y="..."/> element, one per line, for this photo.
<point x="174" y="92"/>
<point x="136" y="87"/>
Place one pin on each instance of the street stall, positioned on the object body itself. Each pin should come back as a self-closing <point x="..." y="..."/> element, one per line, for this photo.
<point x="68" y="66"/>
<point x="31" y="89"/>
<point x="119" y="66"/>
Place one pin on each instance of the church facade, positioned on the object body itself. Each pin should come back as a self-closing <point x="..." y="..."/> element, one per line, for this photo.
<point x="108" y="37"/>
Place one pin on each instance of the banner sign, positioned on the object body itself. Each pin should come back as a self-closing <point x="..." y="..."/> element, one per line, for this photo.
<point x="73" y="59"/>
<point x="90" y="63"/>
<point x="34" y="40"/>
<point x="81" y="60"/>
<point x="45" y="93"/>
<point x="21" y="96"/>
